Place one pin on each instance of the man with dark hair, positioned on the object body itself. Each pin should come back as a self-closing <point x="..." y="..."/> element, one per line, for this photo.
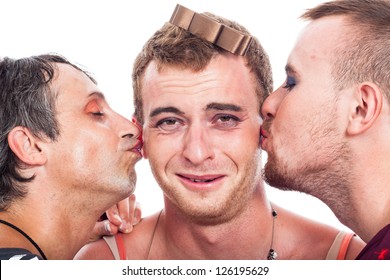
<point x="326" y="130"/>
<point x="65" y="157"/>
<point x="198" y="90"/>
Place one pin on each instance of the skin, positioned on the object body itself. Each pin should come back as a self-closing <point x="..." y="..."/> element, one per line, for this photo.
<point x="202" y="139"/>
<point x="187" y="138"/>
<point x="305" y="141"/>
<point x="100" y="127"/>
<point x="329" y="133"/>
<point x="96" y="145"/>
<point x="121" y="217"/>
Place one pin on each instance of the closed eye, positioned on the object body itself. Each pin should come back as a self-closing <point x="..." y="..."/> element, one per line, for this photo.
<point x="95" y="108"/>
<point x="290" y="83"/>
<point x="98" y="114"/>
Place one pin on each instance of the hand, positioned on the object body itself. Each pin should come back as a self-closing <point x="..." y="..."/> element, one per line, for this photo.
<point x="119" y="218"/>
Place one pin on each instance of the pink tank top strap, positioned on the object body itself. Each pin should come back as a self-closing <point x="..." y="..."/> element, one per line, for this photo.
<point x="121" y="246"/>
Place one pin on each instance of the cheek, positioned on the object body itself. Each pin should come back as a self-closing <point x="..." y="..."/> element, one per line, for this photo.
<point x="241" y="145"/>
<point x="287" y="117"/>
<point x="90" y="147"/>
<point x="161" y="148"/>
<point x="292" y="129"/>
<point x="85" y="151"/>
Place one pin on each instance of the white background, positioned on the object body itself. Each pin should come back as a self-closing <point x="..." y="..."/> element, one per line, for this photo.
<point x="105" y="37"/>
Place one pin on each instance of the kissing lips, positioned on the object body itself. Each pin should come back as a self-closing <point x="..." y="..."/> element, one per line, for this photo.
<point x="263" y="137"/>
<point x="138" y="149"/>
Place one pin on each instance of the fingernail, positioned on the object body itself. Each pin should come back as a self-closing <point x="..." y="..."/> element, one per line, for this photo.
<point x="125" y="227"/>
<point x="117" y="218"/>
<point x="108" y="227"/>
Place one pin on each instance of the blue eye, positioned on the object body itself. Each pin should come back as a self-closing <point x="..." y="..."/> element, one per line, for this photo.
<point x="290" y="83"/>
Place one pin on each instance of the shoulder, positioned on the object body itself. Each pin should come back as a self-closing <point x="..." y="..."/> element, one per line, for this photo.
<point x="135" y="243"/>
<point x="309" y="239"/>
<point x="17" y="254"/>
<point x="355" y="247"/>
<point x="138" y="241"/>
<point x="97" y="250"/>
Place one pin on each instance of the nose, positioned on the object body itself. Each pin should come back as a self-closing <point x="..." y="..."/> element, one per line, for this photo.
<point x="197" y="144"/>
<point x="272" y="103"/>
<point x="128" y="129"/>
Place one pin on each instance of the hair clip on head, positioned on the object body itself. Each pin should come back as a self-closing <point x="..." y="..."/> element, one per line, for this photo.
<point x="210" y="30"/>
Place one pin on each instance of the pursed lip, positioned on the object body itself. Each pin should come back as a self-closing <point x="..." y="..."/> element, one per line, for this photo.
<point x="263" y="137"/>
<point x="201" y="182"/>
<point x="138" y="148"/>
<point x="130" y="152"/>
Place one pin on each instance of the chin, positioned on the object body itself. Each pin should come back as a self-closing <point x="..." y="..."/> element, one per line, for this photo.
<point x="208" y="215"/>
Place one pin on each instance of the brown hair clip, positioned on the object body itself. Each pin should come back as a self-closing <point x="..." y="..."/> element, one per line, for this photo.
<point x="210" y="30"/>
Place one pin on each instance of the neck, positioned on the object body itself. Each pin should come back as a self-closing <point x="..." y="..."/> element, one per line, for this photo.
<point x="372" y="212"/>
<point x="58" y="231"/>
<point x="369" y="209"/>
<point x="228" y="240"/>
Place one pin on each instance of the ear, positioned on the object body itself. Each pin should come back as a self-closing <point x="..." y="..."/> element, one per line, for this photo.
<point x="26" y="146"/>
<point x="365" y="109"/>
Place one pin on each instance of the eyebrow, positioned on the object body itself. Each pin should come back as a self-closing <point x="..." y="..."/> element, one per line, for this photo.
<point x="290" y="69"/>
<point x="161" y="110"/>
<point x="211" y="106"/>
<point x="98" y="94"/>
<point x="224" y="107"/>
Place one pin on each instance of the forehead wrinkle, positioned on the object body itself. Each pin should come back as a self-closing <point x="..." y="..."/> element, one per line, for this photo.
<point x="70" y="84"/>
<point x="190" y="85"/>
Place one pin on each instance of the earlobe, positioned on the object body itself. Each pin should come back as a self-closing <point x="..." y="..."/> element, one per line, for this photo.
<point x="26" y="146"/>
<point x="365" y="109"/>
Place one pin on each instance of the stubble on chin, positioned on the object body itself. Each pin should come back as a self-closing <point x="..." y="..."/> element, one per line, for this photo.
<point x="275" y="174"/>
<point x="207" y="211"/>
<point x="214" y="209"/>
<point x="329" y="180"/>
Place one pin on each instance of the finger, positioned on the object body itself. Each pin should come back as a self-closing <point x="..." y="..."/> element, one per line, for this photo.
<point x="137" y="213"/>
<point x="113" y="216"/>
<point x="100" y="229"/>
<point x="124" y="207"/>
<point x="132" y="206"/>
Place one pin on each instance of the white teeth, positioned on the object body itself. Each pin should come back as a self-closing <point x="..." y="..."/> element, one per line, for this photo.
<point x="198" y="181"/>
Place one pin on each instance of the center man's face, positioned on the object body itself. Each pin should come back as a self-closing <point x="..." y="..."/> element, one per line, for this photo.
<point x="201" y="136"/>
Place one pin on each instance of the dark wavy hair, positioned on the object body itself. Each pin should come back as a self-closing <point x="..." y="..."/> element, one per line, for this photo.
<point x="26" y="99"/>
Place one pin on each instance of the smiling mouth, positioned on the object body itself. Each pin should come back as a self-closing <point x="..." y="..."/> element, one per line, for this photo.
<point x="201" y="179"/>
